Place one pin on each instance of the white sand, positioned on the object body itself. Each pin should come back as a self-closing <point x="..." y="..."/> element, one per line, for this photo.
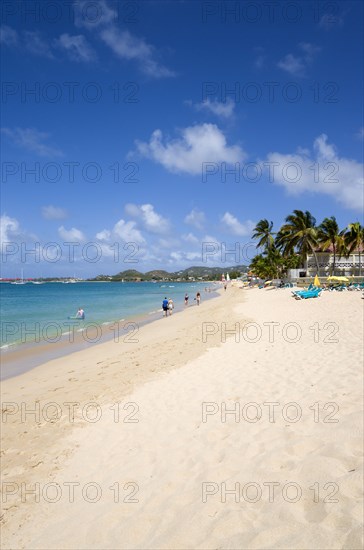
<point x="166" y="459"/>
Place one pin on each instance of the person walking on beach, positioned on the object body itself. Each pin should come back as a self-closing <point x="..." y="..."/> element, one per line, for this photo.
<point x="225" y="285"/>
<point x="186" y="299"/>
<point x="198" y="298"/>
<point x="170" y="306"/>
<point x="165" y="306"/>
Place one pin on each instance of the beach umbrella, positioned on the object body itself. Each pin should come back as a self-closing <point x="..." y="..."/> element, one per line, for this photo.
<point x="317" y="281"/>
<point x="338" y="279"/>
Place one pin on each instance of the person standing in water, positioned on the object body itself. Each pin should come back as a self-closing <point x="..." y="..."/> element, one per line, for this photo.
<point x="80" y="313"/>
<point x="186" y="299"/>
<point x="198" y="298"/>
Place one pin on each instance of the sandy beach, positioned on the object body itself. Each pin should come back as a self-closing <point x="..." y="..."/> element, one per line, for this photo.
<point x="233" y="425"/>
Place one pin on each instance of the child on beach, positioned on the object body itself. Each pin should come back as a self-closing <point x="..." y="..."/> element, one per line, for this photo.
<point x="198" y="298"/>
<point x="170" y="306"/>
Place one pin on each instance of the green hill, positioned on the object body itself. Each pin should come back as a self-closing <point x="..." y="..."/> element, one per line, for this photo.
<point x="192" y="273"/>
<point x="157" y="275"/>
<point x="128" y="275"/>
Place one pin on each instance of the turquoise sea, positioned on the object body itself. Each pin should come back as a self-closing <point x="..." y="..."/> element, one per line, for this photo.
<point x="32" y="313"/>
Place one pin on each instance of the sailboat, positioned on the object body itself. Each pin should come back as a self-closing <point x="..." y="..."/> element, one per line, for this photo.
<point x="21" y="282"/>
<point x="69" y="281"/>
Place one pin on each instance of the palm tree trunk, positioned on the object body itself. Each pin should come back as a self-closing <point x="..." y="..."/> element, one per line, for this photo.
<point x="316" y="260"/>
<point x="333" y="267"/>
<point x="359" y="263"/>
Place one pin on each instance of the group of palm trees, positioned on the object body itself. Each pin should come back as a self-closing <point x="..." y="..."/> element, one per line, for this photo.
<point x="299" y="236"/>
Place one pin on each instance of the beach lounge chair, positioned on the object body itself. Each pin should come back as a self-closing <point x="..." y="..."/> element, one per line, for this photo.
<point x="308" y="294"/>
<point x="308" y="289"/>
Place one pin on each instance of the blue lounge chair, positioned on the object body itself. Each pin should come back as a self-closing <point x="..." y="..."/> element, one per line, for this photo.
<point x="308" y="294"/>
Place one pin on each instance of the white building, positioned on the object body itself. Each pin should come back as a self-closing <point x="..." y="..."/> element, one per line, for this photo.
<point x="347" y="266"/>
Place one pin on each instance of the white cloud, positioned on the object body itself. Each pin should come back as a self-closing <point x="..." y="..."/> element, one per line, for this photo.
<point x="98" y="16"/>
<point x="190" y="238"/>
<point x="103" y="235"/>
<point x="32" y="140"/>
<point x="93" y="14"/>
<point x="128" y="232"/>
<point x="260" y="57"/>
<point x="35" y="44"/>
<point x="127" y="46"/>
<point x="292" y="64"/>
<point x="209" y="239"/>
<point x="181" y="256"/>
<point x="53" y="213"/>
<point x="9" y="229"/>
<point x="193" y="256"/>
<point x="199" y="144"/>
<point x="324" y="171"/>
<point x="11" y="233"/>
<point x="297" y="65"/>
<point x="8" y="36"/>
<point x="71" y="235"/>
<point x="259" y="62"/>
<point x="124" y="44"/>
<point x="360" y="133"/>
<point x="176" y="257"/>
<point x="31" y="41"/>
<point x="152" y="221"/>
<point x="195" y="218"/>
<point x="329" y="20"/>
<point x="236" y="227"/>
<point x="76" y="47"/>
<point x="309" y="50"/>
<point x="220" y="109"/>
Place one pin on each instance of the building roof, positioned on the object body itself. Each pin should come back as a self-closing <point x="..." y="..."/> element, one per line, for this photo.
<point x="330" y="250"/>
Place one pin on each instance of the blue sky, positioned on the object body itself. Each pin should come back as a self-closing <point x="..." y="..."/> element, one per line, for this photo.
<point x="140" y="130"/>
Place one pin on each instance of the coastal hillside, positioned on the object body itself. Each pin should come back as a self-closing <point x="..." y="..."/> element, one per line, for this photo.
<point x="191" y="274"/>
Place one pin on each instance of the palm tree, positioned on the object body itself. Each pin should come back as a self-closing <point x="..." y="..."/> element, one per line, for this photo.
<point x="261" y="267"/>
<point x="329" y="235"/>
<point x="299" y="233"/>
<point x="354" y="239"/>
<point x="263" y="232"/>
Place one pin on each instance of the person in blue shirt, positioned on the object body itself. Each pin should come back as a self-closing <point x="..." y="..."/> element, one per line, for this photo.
<point x="165" y="306"/>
